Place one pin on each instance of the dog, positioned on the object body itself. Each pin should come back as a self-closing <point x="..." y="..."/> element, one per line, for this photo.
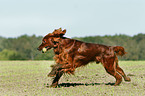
<point x="71" y="54"/>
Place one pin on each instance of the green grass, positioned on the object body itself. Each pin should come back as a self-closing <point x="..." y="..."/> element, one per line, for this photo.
<point x="29" y="78"/>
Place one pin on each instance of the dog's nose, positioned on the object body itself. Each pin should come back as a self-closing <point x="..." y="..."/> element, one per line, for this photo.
<point x="37" y="48"/>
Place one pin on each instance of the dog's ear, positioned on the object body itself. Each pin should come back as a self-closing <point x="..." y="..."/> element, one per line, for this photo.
<point x="64" y="31"/>
<point x="55" y="40"/>
<point x="58" y="32"/>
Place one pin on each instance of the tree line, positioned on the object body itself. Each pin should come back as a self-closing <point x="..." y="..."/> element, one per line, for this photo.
<point x="25" y="47"/>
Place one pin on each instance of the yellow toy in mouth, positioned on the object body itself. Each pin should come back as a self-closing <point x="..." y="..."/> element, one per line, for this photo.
<point x="44" y="50"/>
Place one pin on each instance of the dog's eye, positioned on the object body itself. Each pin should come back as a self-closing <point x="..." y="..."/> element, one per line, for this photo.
<point x="44" y="41"/>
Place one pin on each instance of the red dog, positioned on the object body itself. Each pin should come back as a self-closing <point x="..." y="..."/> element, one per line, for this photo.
<point x="71" y="53"/>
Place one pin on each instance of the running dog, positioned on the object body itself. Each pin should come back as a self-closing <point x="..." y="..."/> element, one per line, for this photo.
<point x="71" y="53"/>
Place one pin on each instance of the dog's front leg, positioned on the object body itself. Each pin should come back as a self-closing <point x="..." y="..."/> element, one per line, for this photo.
<point x="55" y="70"/>
<point x="56" y="79"/>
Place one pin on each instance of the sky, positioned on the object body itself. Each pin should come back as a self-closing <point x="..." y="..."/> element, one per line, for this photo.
<point x="79" y="17"/>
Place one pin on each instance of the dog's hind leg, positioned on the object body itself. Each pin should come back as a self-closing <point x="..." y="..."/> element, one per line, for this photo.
<point x="56" y="79"/>
<point x="110" y="66"/>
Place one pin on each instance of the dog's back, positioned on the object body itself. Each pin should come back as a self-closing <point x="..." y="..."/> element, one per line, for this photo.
<point x="78" y="53"/>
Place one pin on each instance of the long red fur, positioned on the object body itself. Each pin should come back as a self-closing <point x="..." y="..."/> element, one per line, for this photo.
<point x="71" y="53"/>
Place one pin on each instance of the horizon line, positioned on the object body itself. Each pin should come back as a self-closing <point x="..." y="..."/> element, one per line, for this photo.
<point x="116" y="34"/>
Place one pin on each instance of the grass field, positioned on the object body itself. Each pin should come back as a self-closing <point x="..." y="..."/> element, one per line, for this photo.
<point x="29" y="78"/>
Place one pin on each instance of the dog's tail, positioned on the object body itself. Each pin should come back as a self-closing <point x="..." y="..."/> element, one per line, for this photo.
<point x="119" y="50"/>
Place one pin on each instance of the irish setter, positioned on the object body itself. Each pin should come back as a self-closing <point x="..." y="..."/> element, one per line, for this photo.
<point x="71" y="53"/>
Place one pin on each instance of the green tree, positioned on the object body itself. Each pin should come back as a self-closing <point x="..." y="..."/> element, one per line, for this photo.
<point x="10" y="55"/>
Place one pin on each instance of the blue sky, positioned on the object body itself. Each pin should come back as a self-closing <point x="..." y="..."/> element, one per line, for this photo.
<point x="80" y="17"/>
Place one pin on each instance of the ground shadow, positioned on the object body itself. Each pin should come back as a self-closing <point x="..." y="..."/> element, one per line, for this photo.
<point x="82" y="84"/>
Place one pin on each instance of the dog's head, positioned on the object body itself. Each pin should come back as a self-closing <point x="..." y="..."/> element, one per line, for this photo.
<point x="51" y="39"/>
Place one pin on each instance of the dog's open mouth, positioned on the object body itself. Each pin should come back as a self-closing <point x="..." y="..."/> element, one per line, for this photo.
<point x="45" y="49"/>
